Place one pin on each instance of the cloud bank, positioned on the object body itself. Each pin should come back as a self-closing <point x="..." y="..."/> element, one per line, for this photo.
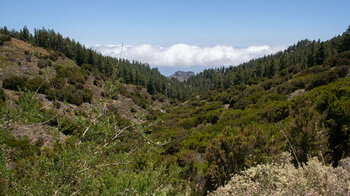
<point x="183" y="55"/>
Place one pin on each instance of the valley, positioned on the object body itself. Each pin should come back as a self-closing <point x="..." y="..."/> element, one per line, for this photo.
<point x="74" y="121"/>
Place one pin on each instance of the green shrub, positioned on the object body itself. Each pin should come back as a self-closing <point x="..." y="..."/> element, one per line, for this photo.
<point x="75" y="98"/>
<point x="37" y="84"/>
<point x="73" y="74"/>
<point x="87" y="95"/>
<point x="23" y="147"/>
<point x="70" y="94"/>
<point x="2" y="96"/>
<point x="339" y="59"/>
<point x="79" y="86"/>
<point x="53" y="56"/>
<point x="188" y="123"/>
<point x="4" y="38"/>
<point x="14" y="83"/>
<point x="58" y="82"/>
<point x="51" y="94"/>
<point x="44" y="63"/>
<point x="213" y="116"/>
<point x="68" y="127"/>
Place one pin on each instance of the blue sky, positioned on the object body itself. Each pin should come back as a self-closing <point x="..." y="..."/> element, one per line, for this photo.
<point x="183" y="33"/>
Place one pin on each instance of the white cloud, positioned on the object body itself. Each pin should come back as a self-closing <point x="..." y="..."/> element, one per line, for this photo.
<point x="183" y="55"/>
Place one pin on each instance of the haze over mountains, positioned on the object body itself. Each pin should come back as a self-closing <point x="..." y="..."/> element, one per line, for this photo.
<point x="186" y="56"/>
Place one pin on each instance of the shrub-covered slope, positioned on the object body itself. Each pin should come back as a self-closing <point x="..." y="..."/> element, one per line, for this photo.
<point x="304" y="110"/>
<point x="70" y="129"/>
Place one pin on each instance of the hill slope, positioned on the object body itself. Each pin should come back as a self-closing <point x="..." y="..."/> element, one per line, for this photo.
<point x="73" y="122"/>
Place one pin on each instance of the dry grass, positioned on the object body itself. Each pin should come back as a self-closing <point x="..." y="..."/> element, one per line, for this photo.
<point x="18" y="44"/>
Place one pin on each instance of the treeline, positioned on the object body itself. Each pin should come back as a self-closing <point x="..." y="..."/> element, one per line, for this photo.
<point x="302" y="55"/>
<point x="130" y="72"/>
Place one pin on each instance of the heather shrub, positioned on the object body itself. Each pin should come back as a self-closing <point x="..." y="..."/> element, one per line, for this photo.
<point x="73" y="74"/>
<point x="14" y="82"/>
<point x="44" y="63"/>
<point x="70" y="94"/>
<point x="58" y="83"/>
<point x="37" y="84"/>
<point x="280" y="177"/>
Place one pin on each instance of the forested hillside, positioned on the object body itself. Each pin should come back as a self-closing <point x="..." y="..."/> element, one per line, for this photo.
<point x="136" y="73"/>
<point x="73" y="121"/>
<point x="302" y="55"/>
<point x="301" y="107"/>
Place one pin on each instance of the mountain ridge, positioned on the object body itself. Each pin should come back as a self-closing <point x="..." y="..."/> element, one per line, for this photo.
<point x="182" y="75"/>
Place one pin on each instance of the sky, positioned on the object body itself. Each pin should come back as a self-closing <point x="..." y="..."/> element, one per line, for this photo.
<point x="183" y="34"/>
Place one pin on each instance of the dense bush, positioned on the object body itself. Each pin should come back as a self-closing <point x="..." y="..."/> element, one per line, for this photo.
<point x="37" y="84"/>
<point x="4" y="38"/>
<point x="44" y="63"/>
<point x="188" y="123"/>
<point x="58" y="83"/>
<point x="73" y="74"/>
<point x="23" y="83"/>
<point x="69" y="127"/>
<point x="70" y="94"/>
<point x="14" y="83"/>
<point x="236" y="149"/>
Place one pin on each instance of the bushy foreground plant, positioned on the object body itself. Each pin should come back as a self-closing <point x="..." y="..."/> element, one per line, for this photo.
<point x="282" y="178"/>
<point x="93" y="160"/>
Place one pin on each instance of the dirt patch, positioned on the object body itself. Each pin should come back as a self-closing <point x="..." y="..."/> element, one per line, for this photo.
<point x="296" y="93"/>
<point x="160" y="105"/>
<point x="37" y="132"/>
<point x="27" y="47"/>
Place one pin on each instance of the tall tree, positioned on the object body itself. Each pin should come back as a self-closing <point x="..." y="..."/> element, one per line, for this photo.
<point x="345" y="43"/>
<point x="24" y="34"/>
<point x="283" y="62"/>
<point x="321" y="54"/>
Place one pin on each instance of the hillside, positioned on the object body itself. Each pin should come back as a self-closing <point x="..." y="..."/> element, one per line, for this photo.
<point x="71" y="118"/>
<point x="182" y="75"/>
<point x="75" y="122"/>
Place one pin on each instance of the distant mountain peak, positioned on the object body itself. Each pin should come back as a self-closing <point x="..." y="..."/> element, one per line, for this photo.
<point x="182" y="75"/>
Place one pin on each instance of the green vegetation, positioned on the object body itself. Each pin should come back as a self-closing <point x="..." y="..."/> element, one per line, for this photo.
<point x="14" y="82"/>
<point x="98" y="161"/>
<point x="188" y="138"/>
<point x="129" y="72"/>
<point x="2" y="96"/>
<point x="4" y="38"/>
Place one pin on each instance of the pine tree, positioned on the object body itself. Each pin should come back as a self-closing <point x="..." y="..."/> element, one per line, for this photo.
<point x="271" y="70"/>
<point x="24" y="34"/>
<point x="321" y="54"/>
<point x="283" y="62"/>
<point x="345" y="43"/>
<point x="311" y="59"/>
